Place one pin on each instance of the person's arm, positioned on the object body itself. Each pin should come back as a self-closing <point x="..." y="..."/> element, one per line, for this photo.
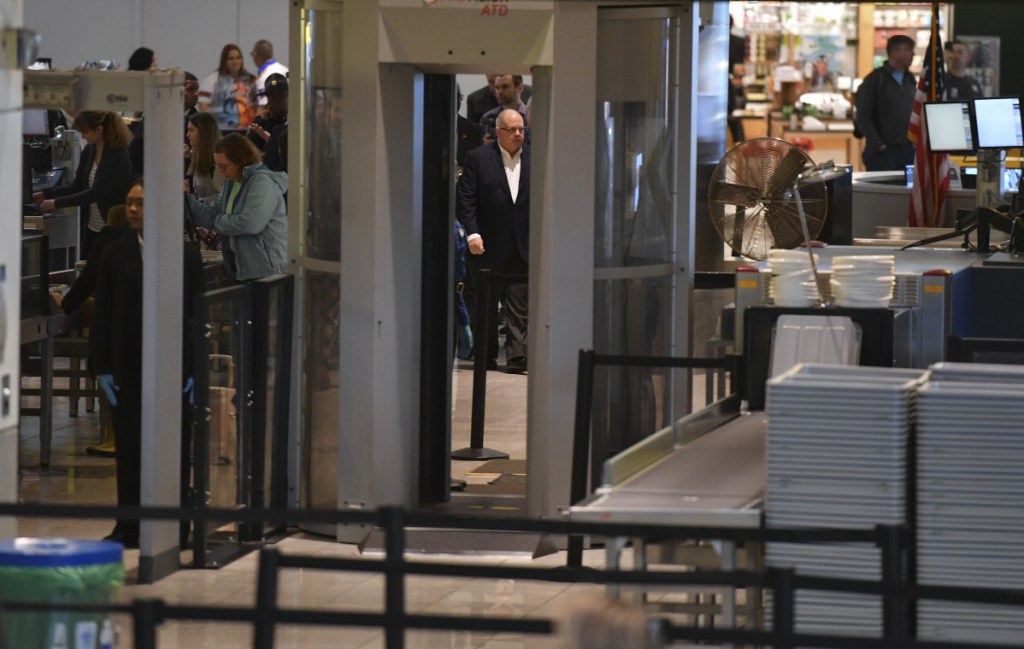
<point x="81" y="180"/>
<point x="85" y="284"/>
<point x="101" y="338"/>
<point x="257" y="206"/>
<point x="867" y="100"/>
<point x="114" y="172"/>
<point x="193" y="285"/>
<point x="271" y="154"/>
<point x="468" y="184"/>
<point x="206" y="90"/>
<point x="204" y="211"/>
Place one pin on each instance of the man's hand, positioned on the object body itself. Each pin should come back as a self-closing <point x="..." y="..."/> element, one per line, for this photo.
<point x="476" y="245"/>
<point x="260" y="131"/>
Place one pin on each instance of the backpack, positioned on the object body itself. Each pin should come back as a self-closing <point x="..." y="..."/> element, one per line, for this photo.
<point x="857" y="133"/>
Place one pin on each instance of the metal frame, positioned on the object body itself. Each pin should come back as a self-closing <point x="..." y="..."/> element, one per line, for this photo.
<point x="270" y="491"/>
<point x="205" y="552"/>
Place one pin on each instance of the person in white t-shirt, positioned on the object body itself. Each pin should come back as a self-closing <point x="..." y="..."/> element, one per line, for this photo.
<point x="266" y="65"/>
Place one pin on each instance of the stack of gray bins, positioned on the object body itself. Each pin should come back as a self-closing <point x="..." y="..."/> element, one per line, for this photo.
<point x="837" y="458"/>
<point x="970" y="520"/>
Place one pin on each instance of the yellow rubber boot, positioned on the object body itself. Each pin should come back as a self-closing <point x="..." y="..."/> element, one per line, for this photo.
<point x="107" y="446"/>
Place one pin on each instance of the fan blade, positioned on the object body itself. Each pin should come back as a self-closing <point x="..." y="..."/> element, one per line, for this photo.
<point x="784" y="174"/>
<point x="735" y="194"/>
<point x="739" y="222"/>
<point x="784" y="222"/>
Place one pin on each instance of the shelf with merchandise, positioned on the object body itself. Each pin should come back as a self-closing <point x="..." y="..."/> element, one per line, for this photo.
<point x="818" y="39"/>
<point x="910" y="19"/>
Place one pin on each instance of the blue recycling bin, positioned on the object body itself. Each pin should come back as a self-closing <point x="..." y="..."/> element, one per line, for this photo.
<point x="58" y="571"/>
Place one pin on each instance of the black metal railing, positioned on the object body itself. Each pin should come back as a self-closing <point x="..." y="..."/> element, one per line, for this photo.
<point x="784" y="584"/>
<point x="581" y="464"/>
<point x="242" y="373"/>
<point x="272" y="304"/>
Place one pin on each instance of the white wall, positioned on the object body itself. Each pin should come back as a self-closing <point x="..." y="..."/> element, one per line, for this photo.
<point x="10" y="259"/>
<point x="186" y="34"/>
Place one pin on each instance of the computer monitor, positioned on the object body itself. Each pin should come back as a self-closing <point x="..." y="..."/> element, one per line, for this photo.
<point x="949" y="126"/>
<point x="998" y="120"/>
<point x="35" y="123"/>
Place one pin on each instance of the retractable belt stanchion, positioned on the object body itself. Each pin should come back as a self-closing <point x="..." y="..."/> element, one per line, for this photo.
<point x="476" y="450"/>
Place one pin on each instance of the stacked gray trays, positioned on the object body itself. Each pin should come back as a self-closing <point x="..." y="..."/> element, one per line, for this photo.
<point x="971" y="498"/>
<point x="837" y="451"/>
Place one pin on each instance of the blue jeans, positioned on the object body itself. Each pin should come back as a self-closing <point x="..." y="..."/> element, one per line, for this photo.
<point x="893" y="158"/>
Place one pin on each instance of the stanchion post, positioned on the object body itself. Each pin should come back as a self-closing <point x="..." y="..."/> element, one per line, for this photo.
<point x="784" y="606"/>
<point x="146" y="614"/>
<point x="201" y="429"/>
<point x="894" y="602"/>
<point x="392" y="519"/>
<point x="476" y="449"/>
<point x="581" y="446"/>
<point x="266" y="600"/>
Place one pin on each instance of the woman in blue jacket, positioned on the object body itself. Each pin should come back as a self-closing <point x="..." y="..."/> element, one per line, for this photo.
<point x="249" y="213"/>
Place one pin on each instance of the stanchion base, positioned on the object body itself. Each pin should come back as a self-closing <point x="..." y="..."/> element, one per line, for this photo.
<point x="478" y="454"/>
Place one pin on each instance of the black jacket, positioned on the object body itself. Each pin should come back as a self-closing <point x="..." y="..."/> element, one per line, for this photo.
<point x="884" y="107"/>
<point x="486" y="207"/>
<point x="108" y="189"/>
<point x="85" y="284"/>
<point x="479" y="102"/>
<point x="117" y="322"/>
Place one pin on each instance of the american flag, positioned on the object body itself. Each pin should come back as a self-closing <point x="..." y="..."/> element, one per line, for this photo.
<point x="931" y="170"/>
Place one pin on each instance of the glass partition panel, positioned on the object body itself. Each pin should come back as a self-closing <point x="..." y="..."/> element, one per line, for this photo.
<point x="220" y="447"/>
<point x="634" y="224"/>
<point x="321" y="232"/>
<point x="272" y="337"/>
<point x="320" y="409"/>
<point x="323" y="134"/>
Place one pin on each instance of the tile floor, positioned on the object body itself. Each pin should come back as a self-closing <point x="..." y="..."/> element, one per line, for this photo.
<point x="75" y="477"/>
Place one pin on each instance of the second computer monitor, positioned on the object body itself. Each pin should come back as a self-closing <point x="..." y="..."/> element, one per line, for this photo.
<point x="949" y="126"/>
<point x="998" y="120"/>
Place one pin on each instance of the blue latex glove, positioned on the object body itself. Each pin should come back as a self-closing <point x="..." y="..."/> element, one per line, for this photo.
<point x="465" y="342"/>
<point x="106" y="382"/>
<point x="190" y="390"/>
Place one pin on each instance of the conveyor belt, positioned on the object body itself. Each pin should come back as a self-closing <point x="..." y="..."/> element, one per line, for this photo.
<point x="716" y="480"/>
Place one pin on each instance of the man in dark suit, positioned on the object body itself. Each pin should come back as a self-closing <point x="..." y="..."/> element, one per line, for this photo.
<point x="484" y="99"/>
<point x="494" y="206"/>
<point x="117" y="352"/>
<point x="481" y="100"/>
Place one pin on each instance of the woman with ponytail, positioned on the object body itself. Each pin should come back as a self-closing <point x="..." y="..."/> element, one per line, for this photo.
<point x="104" y="171"/>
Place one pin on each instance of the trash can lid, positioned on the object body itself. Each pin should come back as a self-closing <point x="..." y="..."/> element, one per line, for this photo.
<point x="53" y="553"/>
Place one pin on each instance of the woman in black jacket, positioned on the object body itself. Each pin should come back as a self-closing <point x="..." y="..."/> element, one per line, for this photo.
<point x="104" y="171"/>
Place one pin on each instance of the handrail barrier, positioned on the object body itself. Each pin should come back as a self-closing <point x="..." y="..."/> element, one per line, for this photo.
<point x="148" y="614"/>
<point x="588" y="360"/>
<point x="242" y="343"/>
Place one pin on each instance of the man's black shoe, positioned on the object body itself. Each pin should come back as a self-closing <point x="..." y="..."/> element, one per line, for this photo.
<point x="516" y="365"/>
<point x="492" y="364"/>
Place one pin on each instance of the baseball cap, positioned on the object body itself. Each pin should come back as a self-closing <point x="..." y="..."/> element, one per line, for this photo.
<point x="275" y="83"/>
